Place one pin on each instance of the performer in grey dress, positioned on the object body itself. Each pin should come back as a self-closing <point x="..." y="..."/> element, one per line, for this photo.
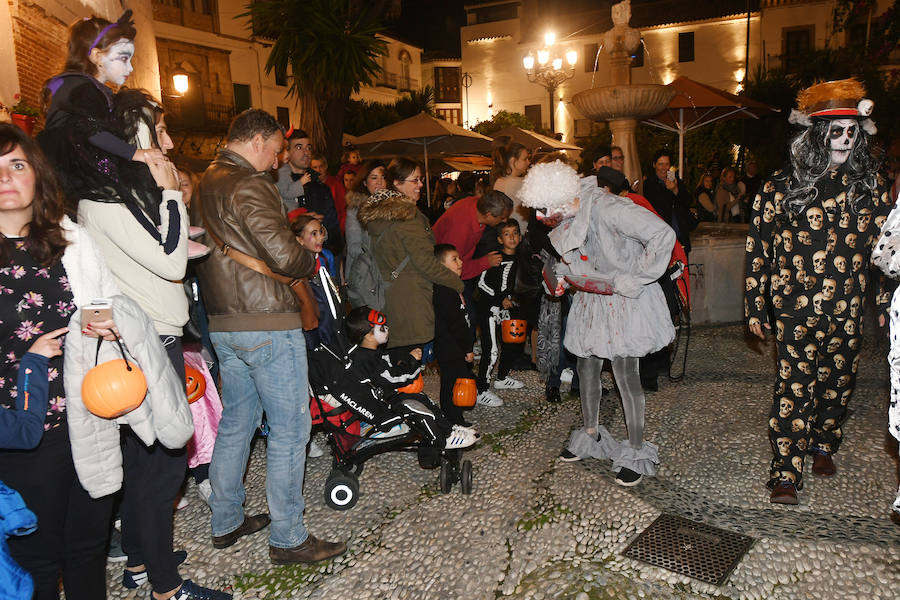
<point x="613" y="251"/>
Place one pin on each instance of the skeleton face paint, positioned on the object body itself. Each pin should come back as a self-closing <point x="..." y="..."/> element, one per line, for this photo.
<point x="381" y="333"/>
<point x="842" y="135"/>
<point x="114" y="65"/>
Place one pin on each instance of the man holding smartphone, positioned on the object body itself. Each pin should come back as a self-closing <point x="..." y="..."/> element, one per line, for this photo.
<point x="302" y="191"/>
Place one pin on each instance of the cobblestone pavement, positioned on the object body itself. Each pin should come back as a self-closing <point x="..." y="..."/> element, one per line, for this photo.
<point x="538" y="528"/>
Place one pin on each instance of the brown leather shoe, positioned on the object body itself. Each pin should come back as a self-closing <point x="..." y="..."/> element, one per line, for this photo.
<point x="823" y="464"/>
<point x="784" y="492"/>
<point x="250" y="525"/>
<point x="311" y="551"/>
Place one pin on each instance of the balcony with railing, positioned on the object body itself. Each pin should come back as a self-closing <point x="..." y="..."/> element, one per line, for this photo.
<point x="197" y="117"/>
<point x="396" y="81"/>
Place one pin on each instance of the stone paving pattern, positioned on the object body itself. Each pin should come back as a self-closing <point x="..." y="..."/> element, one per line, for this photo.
<point x="538" y="528"/>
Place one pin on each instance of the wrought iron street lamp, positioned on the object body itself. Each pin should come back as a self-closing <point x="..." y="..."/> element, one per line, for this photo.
<point x="545" y="67"/>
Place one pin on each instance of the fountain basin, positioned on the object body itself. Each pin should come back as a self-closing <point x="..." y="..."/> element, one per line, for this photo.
<point x="632" y="101"/>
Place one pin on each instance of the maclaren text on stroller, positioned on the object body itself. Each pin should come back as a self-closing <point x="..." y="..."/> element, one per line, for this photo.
<point x="340" y="404"/>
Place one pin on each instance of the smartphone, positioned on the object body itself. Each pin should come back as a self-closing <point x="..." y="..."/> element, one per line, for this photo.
<point x="96" y="312"/>
<point x="671" y="174"/>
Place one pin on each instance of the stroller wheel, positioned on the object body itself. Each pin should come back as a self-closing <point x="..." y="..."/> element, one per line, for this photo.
<point x="341" y="490"/>
<point x="448" y="476"/>
<point x="465" y="477"/>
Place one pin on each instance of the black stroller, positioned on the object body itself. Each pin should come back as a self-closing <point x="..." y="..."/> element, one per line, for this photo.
<point x="333" y="406"/>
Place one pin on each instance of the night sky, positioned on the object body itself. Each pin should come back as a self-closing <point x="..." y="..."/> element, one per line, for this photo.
<point x="432" y="24"/>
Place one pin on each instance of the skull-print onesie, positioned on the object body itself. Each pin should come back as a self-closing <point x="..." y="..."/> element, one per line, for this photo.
<point x="813" y="269"/>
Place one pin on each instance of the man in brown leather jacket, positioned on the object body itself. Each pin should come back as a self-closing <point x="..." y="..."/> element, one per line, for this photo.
<point x="254" y="323"/>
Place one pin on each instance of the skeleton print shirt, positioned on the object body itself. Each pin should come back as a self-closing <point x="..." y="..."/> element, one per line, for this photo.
<point x="815" y="262"/>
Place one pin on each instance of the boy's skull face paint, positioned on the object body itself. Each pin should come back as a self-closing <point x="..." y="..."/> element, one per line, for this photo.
<point x="115" y="63"/>
<point x="842" y="135"/>
<point x="381" y="333"/>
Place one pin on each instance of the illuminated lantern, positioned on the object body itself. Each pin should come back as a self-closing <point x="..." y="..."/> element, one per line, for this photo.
<point x="415" y="387"/>
<point x="113" y="388"/>
<point x="195" y="384"/>
<point x="513" y="330"/>
<point x="465" y="392"/>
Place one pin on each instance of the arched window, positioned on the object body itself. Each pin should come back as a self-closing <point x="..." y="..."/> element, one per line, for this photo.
<point x="405" y="62"/>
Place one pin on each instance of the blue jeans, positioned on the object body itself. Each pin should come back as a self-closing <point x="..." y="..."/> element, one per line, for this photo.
<point x="262" y="371"/>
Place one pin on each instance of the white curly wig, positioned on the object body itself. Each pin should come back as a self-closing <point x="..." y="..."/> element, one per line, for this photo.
<point x="549" y="186"/>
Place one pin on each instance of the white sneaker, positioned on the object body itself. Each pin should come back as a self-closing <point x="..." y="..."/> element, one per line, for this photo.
<point x="204" y="488"/>
<point x="467" y="430"/>
<point x="566" y="375"/>
<point x="314" y="450"/>
<point x="460" y="438"/>
<point x="489" y="398"/>
<point x="508" y="384"/>
<point x="182" y="503"/>
<point x="395" y="431"/>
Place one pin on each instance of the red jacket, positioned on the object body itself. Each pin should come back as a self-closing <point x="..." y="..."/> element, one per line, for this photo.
<point x="677" y="252"/>
<point x="459" y="226"/>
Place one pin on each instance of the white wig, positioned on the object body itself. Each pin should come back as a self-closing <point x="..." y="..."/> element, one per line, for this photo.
<point x="549" y="186"/>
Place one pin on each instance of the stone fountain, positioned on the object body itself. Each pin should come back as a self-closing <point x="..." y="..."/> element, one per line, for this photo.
<point x="623" y="104"/>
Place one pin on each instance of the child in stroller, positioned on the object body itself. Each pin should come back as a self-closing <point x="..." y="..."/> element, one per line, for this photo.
<point x="352" y="380"/>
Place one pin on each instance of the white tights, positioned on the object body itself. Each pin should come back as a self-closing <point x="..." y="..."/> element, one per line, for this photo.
<point x="628" y="380"/>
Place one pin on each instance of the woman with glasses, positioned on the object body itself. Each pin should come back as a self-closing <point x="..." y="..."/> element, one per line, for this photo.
<point x="405" y="248"/>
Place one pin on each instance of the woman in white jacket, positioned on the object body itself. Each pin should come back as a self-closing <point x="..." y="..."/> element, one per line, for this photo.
<point x="144" y="238"/>
<point x="48" y="267"/>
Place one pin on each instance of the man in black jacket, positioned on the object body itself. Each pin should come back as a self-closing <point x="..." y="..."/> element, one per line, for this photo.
<point x="302" y="191"/>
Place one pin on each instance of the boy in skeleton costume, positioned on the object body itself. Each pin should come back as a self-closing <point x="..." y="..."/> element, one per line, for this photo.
<point x="812" y="228"/>
<point x="613" y="251"/>
<point x="886" y="257"/>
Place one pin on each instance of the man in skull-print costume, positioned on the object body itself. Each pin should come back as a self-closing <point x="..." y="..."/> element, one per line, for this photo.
<point x="812" y="228"/>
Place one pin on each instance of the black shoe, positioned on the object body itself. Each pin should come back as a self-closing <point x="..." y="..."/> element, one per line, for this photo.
<point x="567" y="456"/>
<point x="250" y="525"/>
<point x="627" y="477"/>
<point x="650" y="385"/>
<point x="191" y="591"/>
<point x="552" y="394"/>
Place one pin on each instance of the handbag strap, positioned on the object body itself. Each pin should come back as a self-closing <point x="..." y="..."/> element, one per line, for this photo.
<point x="396" y="272"/>
<point x="121" y="349"/>
<point x="251" y="262"/>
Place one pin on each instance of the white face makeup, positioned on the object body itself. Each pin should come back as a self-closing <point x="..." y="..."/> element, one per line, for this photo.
<point x="114" y="65"/>
<point x="381" y="333"/>
<point x="842" y="136"/>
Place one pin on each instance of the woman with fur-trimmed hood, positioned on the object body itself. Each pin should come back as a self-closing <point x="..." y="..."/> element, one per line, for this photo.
<point x="369" y="179"/>
<point x="407" y="233"/>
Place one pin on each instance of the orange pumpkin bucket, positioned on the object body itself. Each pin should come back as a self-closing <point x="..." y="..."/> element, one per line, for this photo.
<point x="195" y="384"/>
<point x="465" y="392"/>
<point x="415" y="387"/>
<point x="513" y="330"/>
<point x="113" y="388"/>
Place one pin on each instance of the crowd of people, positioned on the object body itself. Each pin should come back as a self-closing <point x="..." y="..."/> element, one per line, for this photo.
<point x="242" y="271"/>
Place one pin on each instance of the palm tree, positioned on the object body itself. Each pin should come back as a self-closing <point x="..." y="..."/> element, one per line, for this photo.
<point x="330" y="49"/>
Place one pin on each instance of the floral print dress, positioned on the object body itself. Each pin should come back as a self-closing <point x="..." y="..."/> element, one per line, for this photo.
<point x="34" y="300"/>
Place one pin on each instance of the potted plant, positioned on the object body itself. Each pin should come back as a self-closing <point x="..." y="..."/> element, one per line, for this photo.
<point x="23" y="114"/>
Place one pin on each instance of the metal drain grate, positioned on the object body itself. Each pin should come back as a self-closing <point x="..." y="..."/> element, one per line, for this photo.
<point x="690" y="548"/>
